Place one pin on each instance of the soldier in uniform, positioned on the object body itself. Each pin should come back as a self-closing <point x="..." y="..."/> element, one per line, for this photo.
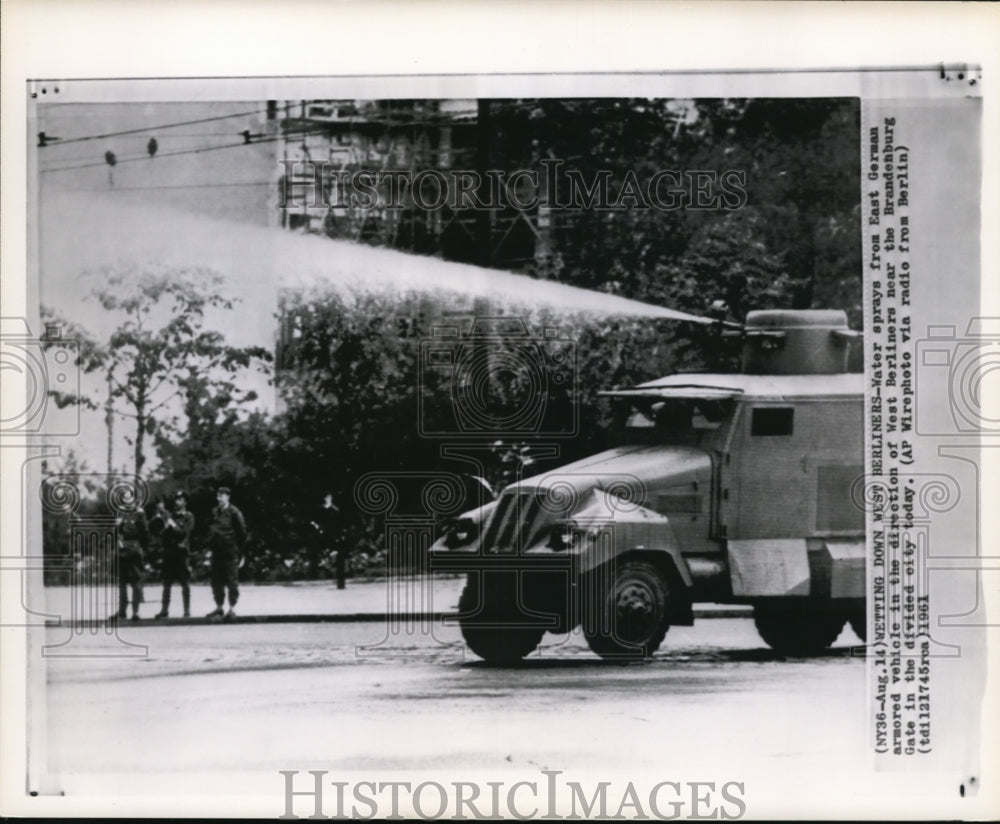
<point x="133" y="541"/>
<point x="227" y="535"/>
<point x="175" y="536"/>
<point x="326" y="523"/>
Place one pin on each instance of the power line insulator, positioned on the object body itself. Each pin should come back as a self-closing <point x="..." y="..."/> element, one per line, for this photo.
<point x="152" y="146"/>
<point x="109" y="158"/>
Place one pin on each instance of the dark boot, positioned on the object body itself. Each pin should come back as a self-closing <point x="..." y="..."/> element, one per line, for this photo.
<point x="165" y="608"/>
<point x="186" y="595"/>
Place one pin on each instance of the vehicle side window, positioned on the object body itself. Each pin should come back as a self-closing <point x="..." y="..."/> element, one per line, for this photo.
<point x="772" y="421"/>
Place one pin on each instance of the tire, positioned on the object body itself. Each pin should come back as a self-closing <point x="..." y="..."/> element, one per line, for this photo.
<point x="797" y="630"/>
<point x="495" y="630"/>
<point x="632" y="615"/>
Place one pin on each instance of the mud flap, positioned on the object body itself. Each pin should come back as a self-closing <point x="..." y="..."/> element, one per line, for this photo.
<point x="769" y="568"/>
<point x="847" y="568"/>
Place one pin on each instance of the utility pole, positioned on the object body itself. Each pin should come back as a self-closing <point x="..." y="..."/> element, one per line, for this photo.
<point x="484" y="217"/>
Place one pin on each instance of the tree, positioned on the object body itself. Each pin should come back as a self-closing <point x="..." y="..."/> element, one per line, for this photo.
<point x="79" y="486"/>
<point x="161" y="351"/>
<point x="797" y="232"/>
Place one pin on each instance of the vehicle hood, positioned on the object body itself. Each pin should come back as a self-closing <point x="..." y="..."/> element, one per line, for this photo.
<point x="632" y="472"/>
<point x="619" y="485"/>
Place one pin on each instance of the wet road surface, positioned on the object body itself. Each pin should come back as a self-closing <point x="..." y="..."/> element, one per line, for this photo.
<point x="244" y="698"/>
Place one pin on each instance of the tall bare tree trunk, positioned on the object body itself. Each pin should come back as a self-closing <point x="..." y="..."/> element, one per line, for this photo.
<point x="140" y="435"/>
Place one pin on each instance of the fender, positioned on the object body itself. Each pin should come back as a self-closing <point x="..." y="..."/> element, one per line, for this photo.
<point x="603" y="544"/>
<point x="610" y="543"/>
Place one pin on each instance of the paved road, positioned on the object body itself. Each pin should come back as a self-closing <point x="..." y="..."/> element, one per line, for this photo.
<point x="252" y="699"/>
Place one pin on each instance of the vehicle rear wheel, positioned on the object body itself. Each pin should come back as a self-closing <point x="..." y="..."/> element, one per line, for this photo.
<point x="632" y="615"/>
<point x="794" y="629"/>
<point x="492" y="625"/>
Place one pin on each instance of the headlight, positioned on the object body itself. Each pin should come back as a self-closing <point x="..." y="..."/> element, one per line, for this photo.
<point x="460" y="532"/>
<point x="564" y="535"/>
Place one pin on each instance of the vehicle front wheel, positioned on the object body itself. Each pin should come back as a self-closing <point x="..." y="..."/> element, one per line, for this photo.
<point x="492" y="625"/>
<point x="795" y="629"/>
<point x="631" y="615"/>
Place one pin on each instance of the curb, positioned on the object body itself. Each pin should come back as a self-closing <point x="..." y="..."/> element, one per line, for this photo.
<point x="343" y="618"/>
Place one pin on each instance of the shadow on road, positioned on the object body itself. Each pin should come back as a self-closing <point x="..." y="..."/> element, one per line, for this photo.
<point x="585" y="661"/>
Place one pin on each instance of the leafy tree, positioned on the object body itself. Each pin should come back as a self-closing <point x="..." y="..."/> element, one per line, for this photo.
<point x="352" y="394"/>
<point x="798" y="228"/>
<point x="56" y="523"/>
<point x="161" y="351"/>
<point x="352" y="385"/>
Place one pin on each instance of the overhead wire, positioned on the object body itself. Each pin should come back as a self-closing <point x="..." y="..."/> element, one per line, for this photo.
<point x="373" y="119"/>
<point x="161" y="127"/>
<point x="242" y="144"/>
<point x="377" y="117"/>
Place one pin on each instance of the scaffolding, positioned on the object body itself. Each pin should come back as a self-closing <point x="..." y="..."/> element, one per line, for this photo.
<point x="329" y="145"/>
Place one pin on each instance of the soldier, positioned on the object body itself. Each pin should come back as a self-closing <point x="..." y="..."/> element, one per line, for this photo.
<point x="327" y="521"/>
<point x="227" y="535"/>
<point x="175" y="539"/>
<point x="133" y="541"/>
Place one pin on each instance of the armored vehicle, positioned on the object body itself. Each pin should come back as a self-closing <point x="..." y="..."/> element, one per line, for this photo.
<point x="729" y="488"/>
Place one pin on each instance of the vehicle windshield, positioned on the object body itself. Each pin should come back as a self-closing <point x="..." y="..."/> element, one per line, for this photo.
<point x="673" y="420"/>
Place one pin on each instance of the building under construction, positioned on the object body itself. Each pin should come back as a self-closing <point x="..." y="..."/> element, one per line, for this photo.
<point x="333" y="150"/>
